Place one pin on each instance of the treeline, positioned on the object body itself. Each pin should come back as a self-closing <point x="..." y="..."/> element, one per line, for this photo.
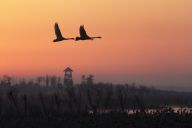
<point x="54" y="98"/>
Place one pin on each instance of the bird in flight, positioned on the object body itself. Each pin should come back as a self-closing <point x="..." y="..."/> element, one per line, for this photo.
<point x="83" y="35"/>
<point x="59" y="36"/>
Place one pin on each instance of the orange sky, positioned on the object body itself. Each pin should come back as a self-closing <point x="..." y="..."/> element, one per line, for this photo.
<point x="145" y="41"/>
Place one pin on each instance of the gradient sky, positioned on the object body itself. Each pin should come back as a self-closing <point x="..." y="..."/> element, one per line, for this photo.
<point x="144" y="41"/>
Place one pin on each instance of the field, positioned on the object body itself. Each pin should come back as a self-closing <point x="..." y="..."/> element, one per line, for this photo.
<point x="88" y="105"/>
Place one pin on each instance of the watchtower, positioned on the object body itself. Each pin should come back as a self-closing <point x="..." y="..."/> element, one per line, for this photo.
<point x="68" y="79"/>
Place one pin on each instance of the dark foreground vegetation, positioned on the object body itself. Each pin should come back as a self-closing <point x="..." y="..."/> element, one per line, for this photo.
<point x="109" y="120"/>
<point x="50" y="104"/>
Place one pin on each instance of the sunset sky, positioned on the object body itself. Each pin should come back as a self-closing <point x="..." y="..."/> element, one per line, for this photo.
<point x="144" y="41"/>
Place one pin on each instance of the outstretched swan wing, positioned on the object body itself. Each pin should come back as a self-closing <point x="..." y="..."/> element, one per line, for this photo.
<point x="83" y="33"/>
<point x="57" y="31"/>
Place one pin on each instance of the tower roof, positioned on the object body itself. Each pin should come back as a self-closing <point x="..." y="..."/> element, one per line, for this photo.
<point x="68" y="70"/>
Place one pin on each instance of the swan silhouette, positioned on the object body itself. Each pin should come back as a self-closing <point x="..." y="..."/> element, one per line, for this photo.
<point x="59" y="36"/>
<point x="83" y="35"/>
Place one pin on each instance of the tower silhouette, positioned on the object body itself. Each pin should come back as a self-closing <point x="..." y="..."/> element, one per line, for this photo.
<point x="68" y="79"/>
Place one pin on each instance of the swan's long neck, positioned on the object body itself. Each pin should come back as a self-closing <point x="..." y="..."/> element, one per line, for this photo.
<point x="97" y="37"/>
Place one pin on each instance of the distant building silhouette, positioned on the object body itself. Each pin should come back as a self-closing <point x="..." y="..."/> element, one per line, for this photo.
<point x="68" y="79"/>
<point x="89" y="80"/>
